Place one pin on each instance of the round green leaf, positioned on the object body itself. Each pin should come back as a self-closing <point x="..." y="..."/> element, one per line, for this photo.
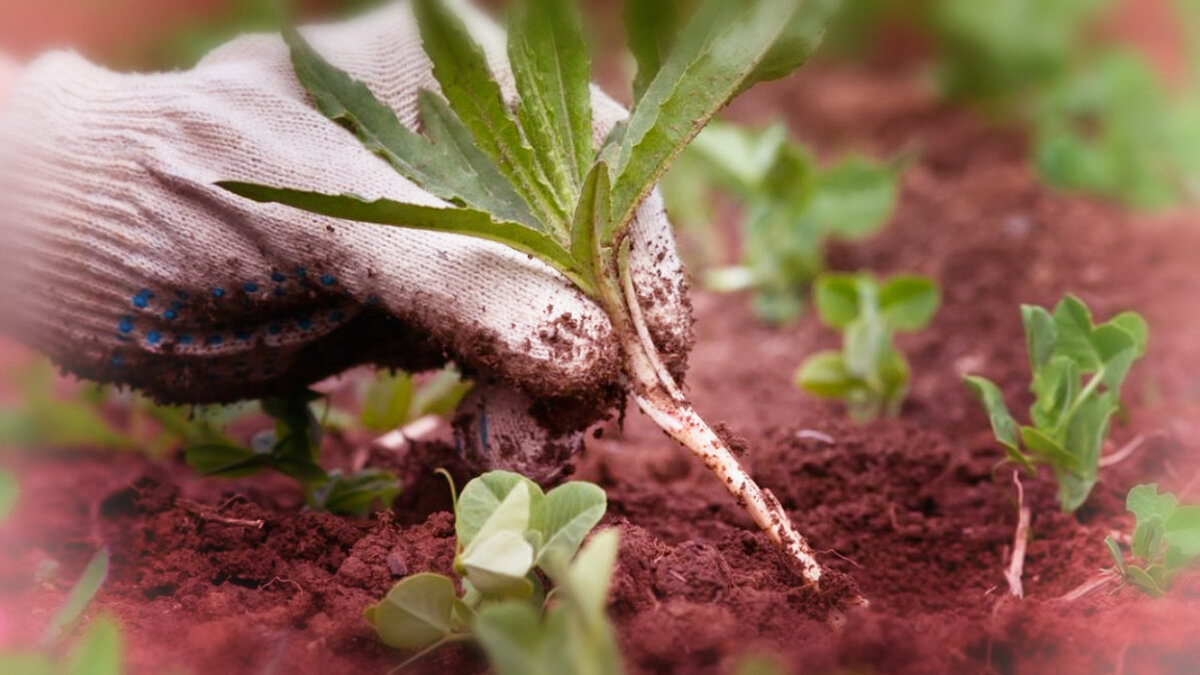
<point x="824" y="375"/>
<point x="837" y="299"/>
<point x="416" y="613"/>
<point x="908" y="303"/>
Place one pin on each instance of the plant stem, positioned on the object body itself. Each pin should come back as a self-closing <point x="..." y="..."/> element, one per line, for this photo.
<point x="658" y="395"/>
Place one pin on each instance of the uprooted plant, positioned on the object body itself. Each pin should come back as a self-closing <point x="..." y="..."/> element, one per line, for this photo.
<point x="508" y="531"/>
<point x="793" y="207"/>
<point x="1166" y="539"/>
<point x="869" y="373"/>
<point x="539" y="185"/>
<point x="1070" y="420"/>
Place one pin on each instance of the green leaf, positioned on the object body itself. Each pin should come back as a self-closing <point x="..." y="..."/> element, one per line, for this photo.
<point x="79" y="598"/>
<point x="824" y="374"/>
<point x="511" y="636"/>
<point x="1084" y="437"/>
<point x="1182" y="530"/>
<point x="651" y="29"/>
<point x="1146" y="581"/>
<point x="99" y="651"/>
<point x="837" y="299"/>
<point x="1116" y="349"/>
<point x="461" y="68"/>
<point x="908" y="303"/>
<point x="724" y="49"/>
<point x="1056" y="387"/>
<point x="1135" y="325"/>
<point x="1073" y="321"/>
<point x="453" y="220"/>
<point x="497" y="562"/>
<point x="854" y="199"/>
<point x="387" y="401"/>
<point x="801" y="38"/>
<point x="591" y="216"/>
<point x="359" y="493"/>
<point x="743" y="159"/>
<point x="445" y="174"/>
<point x="417" y="612"/>
<point x="441" y="394"/>
<point x="229" y="461"/>
<point x="1005" y="428"/>
<point x="28" y="663"/>
<point x="484" y="496"/>
<point x="1117" y="555"/>
<point x="1050" y="450"/>
<point x="9" y="491"/>
<point x="1144" y="502"/>
<point x="553" y="74"/>
<point x="485" y="186"/>
<point x="1041" y="336"/>
<point x="586" y="580"/>
<point x="568" y="513"/>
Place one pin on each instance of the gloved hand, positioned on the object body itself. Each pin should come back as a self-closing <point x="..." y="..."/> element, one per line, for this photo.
<point x="126" y="264"/>
<point x="8" y="73"/>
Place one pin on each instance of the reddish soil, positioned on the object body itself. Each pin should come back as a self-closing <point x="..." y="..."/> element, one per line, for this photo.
<point x="213" y="577"/>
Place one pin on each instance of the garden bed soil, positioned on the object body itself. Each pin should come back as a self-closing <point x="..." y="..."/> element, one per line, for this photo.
<point x="915" y="514"/>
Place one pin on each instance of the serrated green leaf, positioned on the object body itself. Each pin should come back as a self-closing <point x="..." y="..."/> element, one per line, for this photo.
<point x="1005" y="428"/>
<point x="483" y="187"/>
<point x="484" y="495"/>
<point x="453" y="174"/>
<point x="838" y="300"/>
<point x="9" y="492"/>
<point x="553" y="74"/>
<point x="452" y="220"/>
<point x="908" y="303"/>
<point x="591" y="215"/>
<point x="99" y="651"/>
<point x="81" y="595"/>
<point x="725" y="48"/>
<point x="854" y="199"/>
<point x="567" y="514"/>
<point x="462" y="70"/>
<point x="824" y="374"/>
<point x="511" y="635"/>
<point x="416" y="613"/>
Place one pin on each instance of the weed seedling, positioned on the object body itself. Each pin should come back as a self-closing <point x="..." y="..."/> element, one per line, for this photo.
<point x="507" y="531"/>
<point x="531" y="178"/>
<point x="292" y="449"/>
<point x="869" y="373"/>
<point x="1070" y="418"/>
<point x="1166" y="539"/>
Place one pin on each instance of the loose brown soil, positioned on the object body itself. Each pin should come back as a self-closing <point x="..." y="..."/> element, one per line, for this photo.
<point x="212" y="577"/>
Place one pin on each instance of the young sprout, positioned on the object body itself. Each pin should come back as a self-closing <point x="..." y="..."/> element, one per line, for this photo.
<point x="1166" y="539"/>
<point x="537" y="183"/>
<point x="869" y="374"/>
<point x="506" y="529"/>
<point x="792" y="206"/>
<point x="1078" y="369"/>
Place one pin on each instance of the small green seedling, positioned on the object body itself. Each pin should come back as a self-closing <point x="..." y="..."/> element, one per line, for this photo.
<point x="999" y="54"/>
<point x="292" y="449"/>
<point x="1166" y="539"/>
<point x="394" y="400"/>
<point x="869" y="373"/>
<point x="529" y="175"/>
<point x="792" y="208"/>
<point x="1070" y="420"/>
<point x="508" y="530"/>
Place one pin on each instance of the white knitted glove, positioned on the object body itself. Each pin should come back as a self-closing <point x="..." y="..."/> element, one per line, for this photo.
<point x="126" y="264"/>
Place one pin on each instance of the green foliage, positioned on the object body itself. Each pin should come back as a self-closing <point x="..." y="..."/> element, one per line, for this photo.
<point x="98" y="651"/>
<point x="1069" y="421"/>
<point x="997" y="52"/>
<point x="792" y="208"/>
<point x="506" y="529"/>
<point x="531" y="178"/>
<point x="292" y="449"/>
<point x="1166" y="539"/>
<point x="9" y="491"/>
<point x="1113" y="128"/>
<point x="869" y="374"/>
<point x="393" y="400"/>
